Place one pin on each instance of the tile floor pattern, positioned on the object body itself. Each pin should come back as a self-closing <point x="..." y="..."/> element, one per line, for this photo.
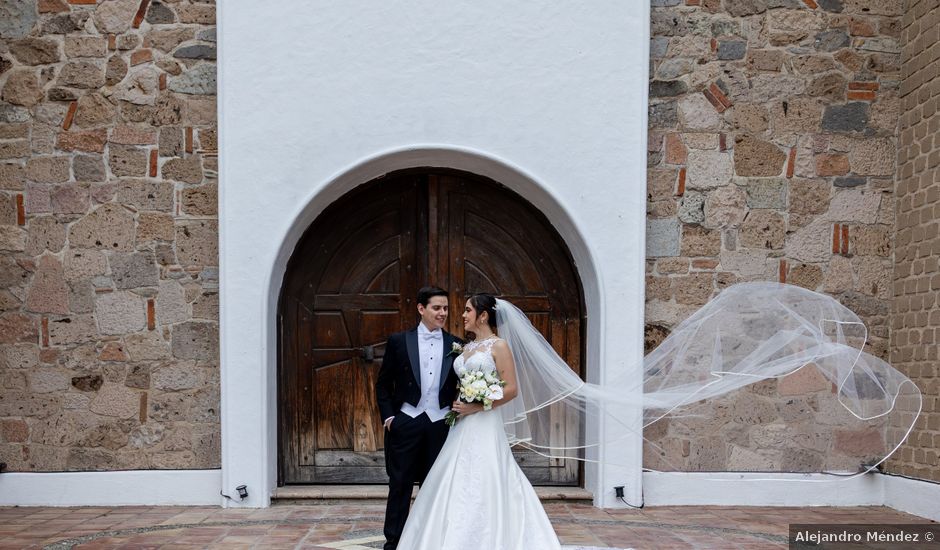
<point x="354" y="526"/>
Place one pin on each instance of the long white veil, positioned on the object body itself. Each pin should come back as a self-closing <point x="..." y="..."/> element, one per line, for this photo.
<point x="773" y="347"/>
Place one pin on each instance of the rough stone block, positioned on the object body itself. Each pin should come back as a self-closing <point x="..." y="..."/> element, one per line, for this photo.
<point x="755" y="157"/>
<point x="110" y="226"/>
<point x="116" y="400"/>
<point x="187" y="170"/>
<point x="662" y="237"/>
<point x="731" y="49"/>
<point x="92" y="141"/>
<point x="83" y="74"/>
<point x="850" y="117"/>
<point x="94" y="110"/>
<point x="197" y="243"/>
<point x="873" y="157"/>
<point x="81" y="264"/>
<point x="19" y="356"/>
<point x="73" y="329"/>
<point x="69" y="199"/>
<point x="86" y="46"/>
<point x="854" y="205"/>
<point x="115" y="16"/>
<point x="725" y="207"/>
<point x="120" y="313"/>
<point x="767" y="193"/>
<point x="812" y="243"/>
<point x="146" y="194"/>
<point x="155" y="226"/>
<point x="172" y="306"/>
<point x="763" y="229"/>
<point x="805" y="275"/>
<point x="871" y="240"/>
<point x="48" y="292"/>
<point x="126" y="160"/>
<point x="691" y="208"/>
<point x="201" y="80"/>
<point x="147" y="346"/>
<point x="134" y="270"/>
<point x="709" y="169"/>
<point x="696" y="113"/>
<point x="35" y="51"/>
<point x="22" y="88"/>
<point x="88" y="168"/>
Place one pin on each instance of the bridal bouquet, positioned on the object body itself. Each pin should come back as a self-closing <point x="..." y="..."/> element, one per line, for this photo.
<point x="477" y="386"/>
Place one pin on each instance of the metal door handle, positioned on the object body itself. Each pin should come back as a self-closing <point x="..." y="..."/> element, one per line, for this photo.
<point x="368" y="353"/>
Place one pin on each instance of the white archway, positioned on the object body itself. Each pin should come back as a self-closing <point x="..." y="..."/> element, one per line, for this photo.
<point x="238" y="382"/>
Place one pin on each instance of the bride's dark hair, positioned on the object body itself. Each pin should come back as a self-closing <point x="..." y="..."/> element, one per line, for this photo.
<point x="485" y="302"/>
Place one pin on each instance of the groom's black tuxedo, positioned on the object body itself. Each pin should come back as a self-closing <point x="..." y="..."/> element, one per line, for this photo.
<point x="399" y="380"/>
<point x="411" y="444"/>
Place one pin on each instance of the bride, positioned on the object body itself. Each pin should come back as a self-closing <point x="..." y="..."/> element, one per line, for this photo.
<point x="475" y="495"/>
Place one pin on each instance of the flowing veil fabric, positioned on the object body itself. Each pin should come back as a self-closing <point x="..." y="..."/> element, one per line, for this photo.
<point x="749" y="335"/>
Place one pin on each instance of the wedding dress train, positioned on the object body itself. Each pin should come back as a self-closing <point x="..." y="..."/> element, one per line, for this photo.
<point x="476" y="496"/>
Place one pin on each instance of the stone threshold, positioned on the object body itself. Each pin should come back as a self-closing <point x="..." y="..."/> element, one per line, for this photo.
<point x="298" y="494"/>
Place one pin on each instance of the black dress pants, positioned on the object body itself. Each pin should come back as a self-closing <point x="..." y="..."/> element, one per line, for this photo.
<point x="411" y="446"/>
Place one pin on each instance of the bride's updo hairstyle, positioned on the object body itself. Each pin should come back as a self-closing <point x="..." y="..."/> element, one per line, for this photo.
<point x="485" y="302"/>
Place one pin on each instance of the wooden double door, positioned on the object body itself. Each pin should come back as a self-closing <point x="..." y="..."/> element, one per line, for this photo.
<point x="352" y="281"/>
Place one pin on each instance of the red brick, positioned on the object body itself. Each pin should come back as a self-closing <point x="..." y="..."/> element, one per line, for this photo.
<point x="112" y="42"/>
<point x="720" y="96"/>
<point x="153" y="163"/>
<point x="141" y="12"/>
<point x="83" y="2"/>
<point x="858" y="85"/>
<point x="791" y="162"/>
<point x="143" y="407"/>
<point x="783" y="271"/>
<point x="722" y="142"/>
<point x="189" y="141"/>
<point x="811" y="4"/>
<point x="835" y="238"/>
<point x="70" y="115"/>
<point x="716" y="103"/>
<point x="151" y="313"/>
<point x="44" y="325"/>
<point x="845" y="240"/>
<point x="20" y="210"/>
<point x="860" y="95"/>
<point x="693" y="2"/>
<point x="680" y="188"/>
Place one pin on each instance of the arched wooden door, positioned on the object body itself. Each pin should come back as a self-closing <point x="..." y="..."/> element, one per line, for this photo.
<point x="352" y="281"/>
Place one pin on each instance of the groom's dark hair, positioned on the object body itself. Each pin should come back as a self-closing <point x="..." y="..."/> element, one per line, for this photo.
<point x="428" y="292"/>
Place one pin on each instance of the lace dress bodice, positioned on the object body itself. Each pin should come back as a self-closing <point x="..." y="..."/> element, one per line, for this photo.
<point x="477" y="356"/>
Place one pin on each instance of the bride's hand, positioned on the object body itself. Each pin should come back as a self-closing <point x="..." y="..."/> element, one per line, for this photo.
<point x="464" y="409"/>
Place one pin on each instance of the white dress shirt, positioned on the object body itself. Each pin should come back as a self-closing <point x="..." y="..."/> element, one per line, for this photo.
<point x="431" y="356"/>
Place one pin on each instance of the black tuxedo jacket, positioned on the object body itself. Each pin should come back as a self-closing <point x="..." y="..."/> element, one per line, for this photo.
<point x="399" y="380"/>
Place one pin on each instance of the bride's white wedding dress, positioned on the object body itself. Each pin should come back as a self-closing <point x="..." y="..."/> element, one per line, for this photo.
<point x="476" y="496"/>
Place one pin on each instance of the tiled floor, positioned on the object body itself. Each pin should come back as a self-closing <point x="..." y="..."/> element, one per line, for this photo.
<point x="357" y="525"/>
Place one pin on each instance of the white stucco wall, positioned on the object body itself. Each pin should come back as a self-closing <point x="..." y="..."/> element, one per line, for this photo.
<point x="548" y="98"/>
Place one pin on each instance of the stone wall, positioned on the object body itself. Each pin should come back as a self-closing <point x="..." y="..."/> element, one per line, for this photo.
<point x="108" y="235"/>
<point x="773" y="131"/>
<point x="915" y="316"/>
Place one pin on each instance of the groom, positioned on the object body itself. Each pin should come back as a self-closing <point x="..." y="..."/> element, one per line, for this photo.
<point x="414" y="390"/>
